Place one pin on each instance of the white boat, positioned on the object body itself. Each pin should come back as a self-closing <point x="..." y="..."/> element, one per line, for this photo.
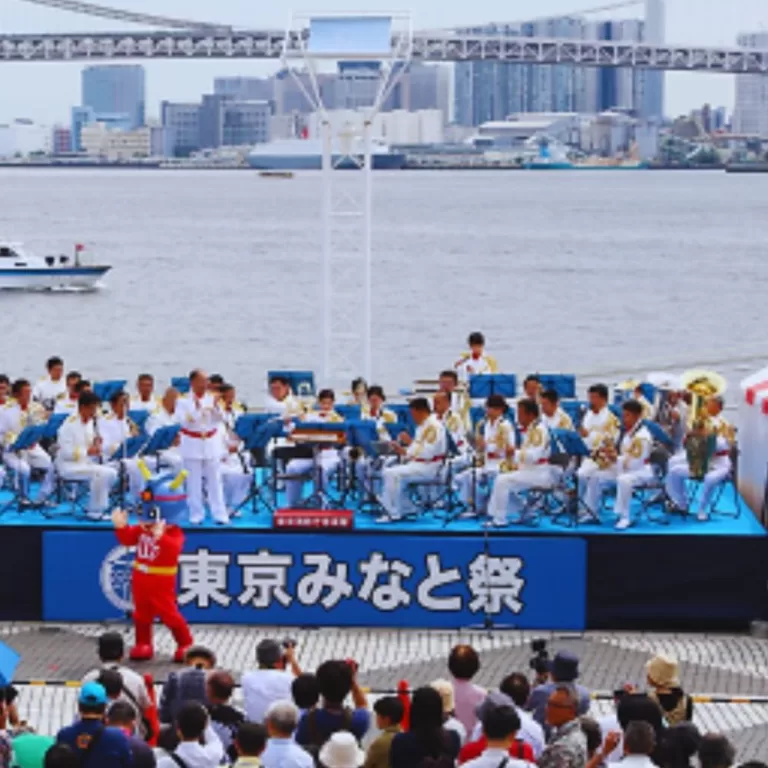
<point x="20" y="270"/>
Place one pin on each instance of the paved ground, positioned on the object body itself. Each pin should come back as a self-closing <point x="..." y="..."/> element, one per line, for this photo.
<point x="736" y="666"/>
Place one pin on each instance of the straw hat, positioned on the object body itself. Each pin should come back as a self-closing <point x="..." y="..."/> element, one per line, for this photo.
<point x="445" y="689"/>
<point x="663" y="672"/>
<point x="342" y="751"/>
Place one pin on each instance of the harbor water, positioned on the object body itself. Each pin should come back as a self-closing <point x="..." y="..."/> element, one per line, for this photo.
<point x="598" y="274"/>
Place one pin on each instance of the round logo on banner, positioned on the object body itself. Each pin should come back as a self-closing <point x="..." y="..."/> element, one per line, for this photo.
<point x="115" y="577"/>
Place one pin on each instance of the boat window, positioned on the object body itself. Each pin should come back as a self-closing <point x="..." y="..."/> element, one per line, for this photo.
<point x="6" y="252"/>
<point x="20" y="264"/>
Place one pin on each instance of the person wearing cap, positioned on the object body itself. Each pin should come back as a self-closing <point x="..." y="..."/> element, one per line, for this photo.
<point x="564" y="668"/>
<point x="96" y="744"/>
<point x="663" y="675"/>
<point x="341" y="751"/>
<point x="272" y="681"/>
<point x="445" y="689"/>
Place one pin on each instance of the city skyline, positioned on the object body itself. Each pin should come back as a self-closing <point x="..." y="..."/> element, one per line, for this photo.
<point x="45" y="92"/>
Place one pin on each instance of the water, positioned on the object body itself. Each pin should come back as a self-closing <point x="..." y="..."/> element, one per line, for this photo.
<point x="598" y="273"/>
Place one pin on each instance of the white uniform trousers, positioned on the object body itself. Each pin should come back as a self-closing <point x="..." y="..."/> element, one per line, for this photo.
<point x="397" y="480"/>
<point x="328" y="461"/>
<point x="210" y="471"/>
<point x="625" y="483"/>
<point x="133" y="473"/>
<point x="101" y="477"/>
<point x="679" y="473"/>
<point x="469" y="492"/>
<point x="509" y="487"/>
<point x="368" y="471"/>
<point x="169" y="460"/>
<point x="23" y="462"/>
<point x="236" y="481"/>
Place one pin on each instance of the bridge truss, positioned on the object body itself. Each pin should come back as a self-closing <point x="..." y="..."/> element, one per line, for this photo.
<point x="427" y="46"/>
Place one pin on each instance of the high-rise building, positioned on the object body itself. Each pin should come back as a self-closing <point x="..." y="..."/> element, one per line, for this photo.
<point x="750" y="114"/>
<point x="115" y="89"/>
<point x="181" y="123"/>
<point x="245" y="88"/>
<point x="245" y="123"/>
<point x="492" y="90"/>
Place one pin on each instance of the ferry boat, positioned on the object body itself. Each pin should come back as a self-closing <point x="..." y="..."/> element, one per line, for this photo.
<point x="307" y="155"/>
<point x="20" y="270"/>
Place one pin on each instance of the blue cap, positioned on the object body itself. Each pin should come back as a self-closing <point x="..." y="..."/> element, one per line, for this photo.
<point x="92" y="694"/>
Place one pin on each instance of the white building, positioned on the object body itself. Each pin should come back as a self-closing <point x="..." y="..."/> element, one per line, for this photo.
<point x="98" y="141"/>
<point x="424" y="126"/>
<point x="750" y="115"/>
<point x="22" y="137"/>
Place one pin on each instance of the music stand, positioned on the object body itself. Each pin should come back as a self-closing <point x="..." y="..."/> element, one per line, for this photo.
<point x="27" y="438"/>
<point x="257" y="430"/>
<point x="365" y="436"/>
<point x="572" y="444"/>
<point x="105" y="389"/>
<point x="320" y="498"/>
<point x="482" y="386"/>
<point x="129" y="449"/>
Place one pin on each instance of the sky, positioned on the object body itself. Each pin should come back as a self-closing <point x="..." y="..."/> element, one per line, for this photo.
<point x="45" y="92"/>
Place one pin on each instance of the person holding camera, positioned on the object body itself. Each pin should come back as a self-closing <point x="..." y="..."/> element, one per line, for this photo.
<point x="564" y="670"/>
<point x="272" y="681"/>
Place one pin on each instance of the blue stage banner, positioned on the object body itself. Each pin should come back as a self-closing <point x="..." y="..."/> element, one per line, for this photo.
<point x="332" y="580"/>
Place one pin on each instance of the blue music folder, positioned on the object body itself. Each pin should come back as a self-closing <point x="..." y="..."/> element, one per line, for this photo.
<point x="570" y="442"/>
<point x="9" y="661"/>
<point x="54" y="423"/>
<point x="162" y="439"/>
<point x="29" y="437"/>
<point x="657" y="432"/>
<point x="130" y="449"/>
<point x="362" y="434"/>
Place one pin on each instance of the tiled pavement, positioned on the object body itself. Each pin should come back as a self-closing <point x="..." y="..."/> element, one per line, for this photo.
<point x="735" y="666"/>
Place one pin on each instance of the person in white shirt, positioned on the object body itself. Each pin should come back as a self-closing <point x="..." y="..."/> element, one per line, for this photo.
<point x="199" y="414"/>
<point x="272" y="681"/>
<point x="281" y="401"/>
<point x="164" y="416"/>
<point x="67" y="403"/>
<point x="282" y="751"/>
<point x="552" y="415"/>
<point x="639" y="745"/>
<point x="423" y="459"/>
<point x="475" y="362"/>
<point x="500" y="726"/>
<point x="145" y="399"/>
<point x="52" y="386"/>
<point x="235" y="461"/>
<point x="78" y="457"/>
<point x="200" y="747"/>
<point x="114" y="429"/>
<point x="14" y="419"/>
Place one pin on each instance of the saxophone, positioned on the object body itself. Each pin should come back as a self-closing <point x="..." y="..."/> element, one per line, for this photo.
<point x="479" y="459"/>
<point x="606" y="453"/>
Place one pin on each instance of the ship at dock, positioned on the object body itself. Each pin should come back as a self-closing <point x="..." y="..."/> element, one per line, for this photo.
<point x="307" y="155"/>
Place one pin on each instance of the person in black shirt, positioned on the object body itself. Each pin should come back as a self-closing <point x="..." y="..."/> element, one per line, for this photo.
<point x="225" y="719"/>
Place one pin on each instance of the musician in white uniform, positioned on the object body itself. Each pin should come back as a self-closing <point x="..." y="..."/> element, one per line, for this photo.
<point x="52" y="386"/>
<point x="79" y="451"/>
<point x="454" y="426"/>
<point x="328" y="458"/>
<point x="165" y="416"/>
<point x="632" y="468"/>
<point x="461" y="405"/>
<point x="235" y="462"/>
<point x="199" y="416"/>
<point x="422" y="456"/>
<point x="14" y="418"/>
<point x="719" y="465"/>
<point x="552" y="415"/>
<point x="145" y="398"/>
<point x="281" y="401"/>
<point x="530" y="462"/>
<point x="476" y="361"/>
<point x="495" y="442"/>
<point x="598" y="425"/>
<point x="532" y="387"/>
<point x="68" y="402"/>
<point x="374" y="410"/>
<point x="114" y="429"/>
<point x="645" y="403"/>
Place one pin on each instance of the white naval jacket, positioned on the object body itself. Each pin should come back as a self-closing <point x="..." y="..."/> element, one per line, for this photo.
<point x="382" y="418"/>
<point x="199" y="419"/>
<point x="635" y="449"/>
<point x="137" y="404"/>
<point x="468" y="366"/>
<point x="66" y="405"/>
<point x="498" y="435"/>
<point x="454" y="425"/>
<point x="535" y="448"/>
<point x="429" y="442"/>
<point x="598" y="425"/>
<point x="558" y="420"/>
<point x="74" y="439"/>
<point x="13" y="421"/>
<point x="113" y="432"/>
<point x="724" y="431"/>
<point x="47" y="389"/>
<point x="159" y="418"/>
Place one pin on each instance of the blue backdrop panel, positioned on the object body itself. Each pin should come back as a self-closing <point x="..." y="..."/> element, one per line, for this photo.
<point x="332" y="580"/>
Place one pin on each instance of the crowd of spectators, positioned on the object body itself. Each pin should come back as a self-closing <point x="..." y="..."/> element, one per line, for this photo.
<point x="295" y="719"/>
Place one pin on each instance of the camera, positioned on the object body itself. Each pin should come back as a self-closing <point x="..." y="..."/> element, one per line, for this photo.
<point x="539" y="662"/>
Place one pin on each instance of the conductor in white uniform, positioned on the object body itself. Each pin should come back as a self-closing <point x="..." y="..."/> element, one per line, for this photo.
<point x="199" y="415"/>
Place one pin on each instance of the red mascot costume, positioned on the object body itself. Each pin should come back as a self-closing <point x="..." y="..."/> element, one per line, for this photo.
<point x="158" y="543"/>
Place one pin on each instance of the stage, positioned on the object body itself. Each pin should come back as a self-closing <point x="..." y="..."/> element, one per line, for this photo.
<point x="426" y="573"/>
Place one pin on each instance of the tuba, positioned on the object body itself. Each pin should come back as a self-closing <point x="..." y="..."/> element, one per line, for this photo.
<point x="702" y="384"/>
<point x="700" y="446"/>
